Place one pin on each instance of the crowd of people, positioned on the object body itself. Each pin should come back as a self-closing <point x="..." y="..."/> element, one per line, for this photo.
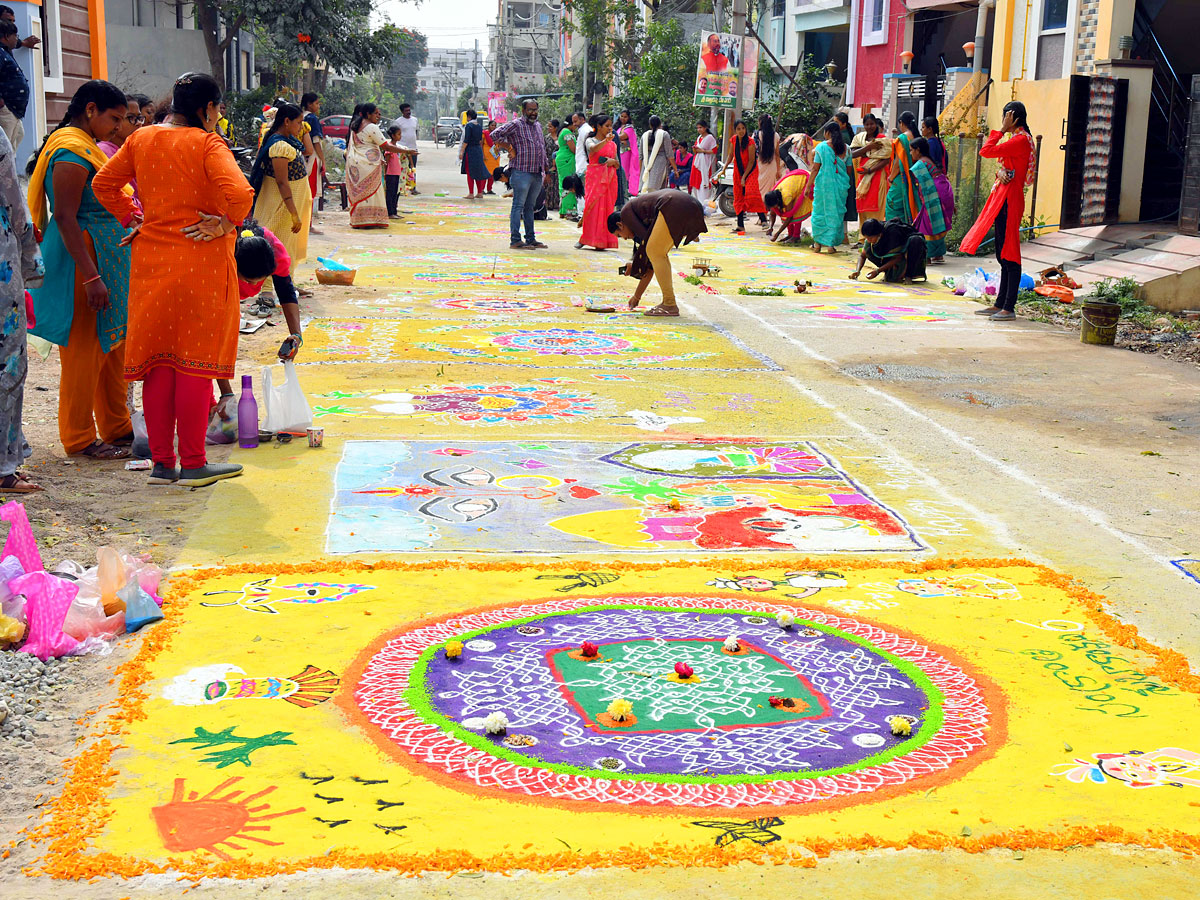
<point x="131" y="250"/>
<point x="134" y="245"/>
<point x="896" y="187"/>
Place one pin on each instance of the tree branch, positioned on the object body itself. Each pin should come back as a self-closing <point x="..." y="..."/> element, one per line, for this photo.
<point x="231" y="32"/>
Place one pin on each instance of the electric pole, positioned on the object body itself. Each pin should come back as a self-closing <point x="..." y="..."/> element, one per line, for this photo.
<point x="739" y="32"/>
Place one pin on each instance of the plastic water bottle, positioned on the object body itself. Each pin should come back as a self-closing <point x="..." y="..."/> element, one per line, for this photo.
<point x="247" y="415"/>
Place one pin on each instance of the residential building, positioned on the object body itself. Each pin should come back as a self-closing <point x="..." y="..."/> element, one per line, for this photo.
<point x="72" y="51"/>
<point x="1108" y="85"/>
<point x="448" y="72"/>
<point x="152" y="42"/>
<point x="527" y="45"/>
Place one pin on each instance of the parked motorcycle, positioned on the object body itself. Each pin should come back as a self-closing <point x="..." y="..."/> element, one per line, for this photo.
<point x="244" y="157"/>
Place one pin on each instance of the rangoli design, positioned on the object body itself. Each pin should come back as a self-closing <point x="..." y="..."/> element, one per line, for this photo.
<point x="397" y="496"/>
<point x="718" y="733"/>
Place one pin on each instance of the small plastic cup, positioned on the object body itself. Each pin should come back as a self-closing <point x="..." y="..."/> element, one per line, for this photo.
<point x="316" y="437"/>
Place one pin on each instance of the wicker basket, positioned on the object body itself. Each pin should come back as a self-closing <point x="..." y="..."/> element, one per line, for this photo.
<point x="332" y="276"/>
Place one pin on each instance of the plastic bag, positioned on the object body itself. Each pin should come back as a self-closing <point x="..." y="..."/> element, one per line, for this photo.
<point x="20" y="542"/>
<point x="111" y="577"/>
<point x="86" y="619"/>
<point x="141" y="437"/>
<point x="11" y="630"/>
<point x="287" y="408"/>
<point x="221" y="431"/>
<point x="48" y="598"/>
<point x="140" y="608"/>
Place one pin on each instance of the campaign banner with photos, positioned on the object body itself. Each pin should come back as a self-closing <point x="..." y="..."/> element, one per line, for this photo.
<point x="718" y="70"/>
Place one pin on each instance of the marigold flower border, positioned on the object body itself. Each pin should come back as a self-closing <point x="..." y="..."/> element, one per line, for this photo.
<point x="81" y="811"/>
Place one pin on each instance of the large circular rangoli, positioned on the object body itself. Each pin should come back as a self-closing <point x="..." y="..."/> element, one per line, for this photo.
<point x="795" y="715"/>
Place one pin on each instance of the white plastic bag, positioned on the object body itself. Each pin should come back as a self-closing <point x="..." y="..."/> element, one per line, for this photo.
<point x="287" y="408"/>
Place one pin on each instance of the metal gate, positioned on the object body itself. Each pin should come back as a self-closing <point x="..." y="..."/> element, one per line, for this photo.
<point x="1094" y="144"/>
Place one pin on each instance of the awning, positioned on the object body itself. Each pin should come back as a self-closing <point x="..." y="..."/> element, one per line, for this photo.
<point x="932" y="4"/>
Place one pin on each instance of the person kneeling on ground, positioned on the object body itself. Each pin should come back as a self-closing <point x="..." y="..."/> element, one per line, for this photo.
<point x="258" y="254"/>
<point x="657" y="222"/>
<point x="896" y="248"/>
<point x="500" y="175"/>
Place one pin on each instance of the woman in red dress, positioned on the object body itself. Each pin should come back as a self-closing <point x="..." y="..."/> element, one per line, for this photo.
<point x="747" y="195"/>
<point x="601" y="187"/>
<point x="1005" y="207"/>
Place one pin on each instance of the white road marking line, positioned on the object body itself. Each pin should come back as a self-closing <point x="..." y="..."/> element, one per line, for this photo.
<point x="1094" y="516"/>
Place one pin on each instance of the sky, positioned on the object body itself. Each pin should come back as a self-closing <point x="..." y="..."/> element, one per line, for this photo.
<point x="446" y="23"/>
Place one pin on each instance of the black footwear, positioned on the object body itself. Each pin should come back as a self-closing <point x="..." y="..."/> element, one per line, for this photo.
<point x="208" y="474"/>
<point x="535" y="245"/>
<point x="160" y="474"/>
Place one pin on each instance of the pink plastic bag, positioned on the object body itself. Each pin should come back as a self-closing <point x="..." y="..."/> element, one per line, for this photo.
<point x="48" y="598"/>
<point x="86" y="619"/>
<point x="20" y="542"/>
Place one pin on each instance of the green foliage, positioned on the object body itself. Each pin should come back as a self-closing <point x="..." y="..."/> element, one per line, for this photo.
<point x="244" y="108"/>
<point x="806" y="105"/>
<point x="613" y="32"/>
<point x="465" y="97"/>
<point x="967" y="201"/>
<point x="746" y="291"/>
<point x="344" y="95"/>
<point x="664" y="86"/>
<point x="1122" y="291"/>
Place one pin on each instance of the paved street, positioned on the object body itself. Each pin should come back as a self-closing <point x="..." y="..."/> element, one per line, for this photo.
<point x="929" y="575"/>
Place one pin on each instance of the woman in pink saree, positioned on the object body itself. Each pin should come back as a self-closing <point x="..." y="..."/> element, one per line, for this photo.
<point x="631" y="162"/>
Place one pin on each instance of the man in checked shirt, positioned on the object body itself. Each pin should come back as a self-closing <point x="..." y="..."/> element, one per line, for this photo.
<point x="527" y="160"/>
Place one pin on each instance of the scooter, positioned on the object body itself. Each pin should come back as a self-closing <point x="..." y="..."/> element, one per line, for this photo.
<point x="244" y="157"/>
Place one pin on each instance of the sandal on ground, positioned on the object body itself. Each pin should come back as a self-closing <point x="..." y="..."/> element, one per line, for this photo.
<point x="17" y="483"/>
<point x="672" y="311"/>
<point x="101" y="451"/>
<point x="1005" y="315"/>
<point x="126" y="441"/>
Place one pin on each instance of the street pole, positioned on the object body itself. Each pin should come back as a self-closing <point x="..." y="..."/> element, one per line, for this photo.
<point x="738" y="31"/>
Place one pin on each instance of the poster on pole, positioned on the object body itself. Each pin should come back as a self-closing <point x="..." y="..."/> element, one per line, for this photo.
<point x="497" y="111"/>
<point x="749" y="70"/>
<point x="717" y="70"/>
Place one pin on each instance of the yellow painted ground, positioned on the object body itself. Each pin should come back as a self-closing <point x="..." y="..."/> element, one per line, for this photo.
<point x="297" y="710"/>
<point x="1058" y="696"/>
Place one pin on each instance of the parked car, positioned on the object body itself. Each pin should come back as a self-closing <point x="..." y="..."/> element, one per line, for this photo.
<point x="336" y="126"/>
<point x="445" y="127"/>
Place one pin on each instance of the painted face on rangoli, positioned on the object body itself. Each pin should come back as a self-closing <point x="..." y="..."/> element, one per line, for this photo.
<point x="766" y="716"/>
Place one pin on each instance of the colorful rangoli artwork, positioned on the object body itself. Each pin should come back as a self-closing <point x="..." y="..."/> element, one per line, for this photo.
<point x="498" y="305"/>
<point x="482" y="404"/>
<point x="629" y="343"/>
<point x="876" y="315"/>
<point x="694" y="713"/>
<point x="406" y="496"/>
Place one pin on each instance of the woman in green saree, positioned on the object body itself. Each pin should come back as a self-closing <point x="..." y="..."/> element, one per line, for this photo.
<point x="932" y="220"/>
<point x="902" y="196"/>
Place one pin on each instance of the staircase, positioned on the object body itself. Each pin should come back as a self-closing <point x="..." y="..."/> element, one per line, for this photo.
<point x="1166" y="137"/>
<point x="1165" y="264"/>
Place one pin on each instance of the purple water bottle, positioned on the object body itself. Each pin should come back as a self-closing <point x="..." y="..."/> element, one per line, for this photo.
<point x="247" y="415"/>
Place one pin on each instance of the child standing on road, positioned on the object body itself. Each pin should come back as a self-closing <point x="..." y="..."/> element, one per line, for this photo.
<point x="394" y="176"/>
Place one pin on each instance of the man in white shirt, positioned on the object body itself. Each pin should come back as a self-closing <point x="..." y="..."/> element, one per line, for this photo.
<point x="581" y="160"/>
<point x="407" y="123"/>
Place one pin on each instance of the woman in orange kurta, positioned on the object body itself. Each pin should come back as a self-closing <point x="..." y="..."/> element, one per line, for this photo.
<point x="183" y="294"/>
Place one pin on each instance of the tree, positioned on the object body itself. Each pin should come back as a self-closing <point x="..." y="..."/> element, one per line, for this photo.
<point x="613" y="34"/>
<point x="665" y="85"/>
<point x="465" y="99"/>
<point x="803" y="106"/>
<point x="336" y="33"/>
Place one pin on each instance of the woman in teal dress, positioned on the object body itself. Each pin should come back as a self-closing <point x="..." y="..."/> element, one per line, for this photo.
<point x="829" y="186"/>
<point x="902" y="195"/>
<point x="81" y="306"/>
<point x="932" y="220"/>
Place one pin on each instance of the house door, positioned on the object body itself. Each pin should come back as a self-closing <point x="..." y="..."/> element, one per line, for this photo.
<point x="1094" y="135"/>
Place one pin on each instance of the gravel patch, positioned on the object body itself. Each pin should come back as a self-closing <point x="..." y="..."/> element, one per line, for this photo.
<point x="26" y="683"/>
<point x="900" y="372"/>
